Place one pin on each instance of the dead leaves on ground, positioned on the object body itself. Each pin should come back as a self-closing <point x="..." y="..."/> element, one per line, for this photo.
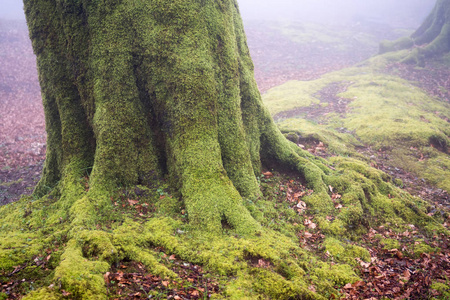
<point x="132" y="281"/>
<point x="395" y="273"/>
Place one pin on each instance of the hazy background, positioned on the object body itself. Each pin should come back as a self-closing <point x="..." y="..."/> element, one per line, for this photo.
<point x="406" y="12"/>
<point x="393" y="12"/>
<point x="11" y="9"/>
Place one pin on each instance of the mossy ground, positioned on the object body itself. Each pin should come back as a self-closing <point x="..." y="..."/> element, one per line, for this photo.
<point x="299" y="252"/>
<point x="381" y="111"/>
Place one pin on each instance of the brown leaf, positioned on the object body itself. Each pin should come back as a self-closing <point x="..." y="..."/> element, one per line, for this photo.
<point x="172" y="257"/>
<point x="310" y="224"/>
<point x="268" y="174"/>
<point x="165" y="283"/>
<point x="132" y="202"/>
<point x="299" y="194"/>
<point x="406" y="275"/>
<point x="348" y="286"/>
<point x="106" y="277"/>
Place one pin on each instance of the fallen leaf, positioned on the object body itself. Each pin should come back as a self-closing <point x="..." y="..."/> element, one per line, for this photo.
<point x="132" y="202"/>
<point x="348" y="286"/>
<point x="310" y="224"/>
<point x="268" y="174"/>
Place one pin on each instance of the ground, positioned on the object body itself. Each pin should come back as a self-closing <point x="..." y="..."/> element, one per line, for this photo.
<point x="382" y="262"/>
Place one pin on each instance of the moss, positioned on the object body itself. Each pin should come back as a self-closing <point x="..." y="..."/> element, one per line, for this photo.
<point x="442" y="288"/>
<point x="97" y="244"/>
<point x="345" y="253"/>
<point x="79" y="276"/>
<point x="398" y="182"/>
<point x="421" y="247"/>
<point x="337" y="274"/>
<point x="378" y="104"/>
<point x="400" y="44"/>
<point x="433" y="36"/>
<point x="276" y="287"/>
<point x="43" y="294"/>
<point x="390" y="244"/>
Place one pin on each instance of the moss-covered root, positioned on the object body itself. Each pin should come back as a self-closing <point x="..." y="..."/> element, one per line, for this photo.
<point x="79" y="276"/>
<point x="282" y="151"/>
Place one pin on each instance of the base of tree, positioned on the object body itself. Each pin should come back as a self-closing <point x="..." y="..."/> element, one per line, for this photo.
<point x="432" y="38"/>
<point x="69" y="242"/>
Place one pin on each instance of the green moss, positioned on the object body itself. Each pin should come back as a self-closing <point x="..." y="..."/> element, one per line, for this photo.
<point x="398" y="182"/>
<point x="276" y="287"/>
<point x="421" y="247"/>
<point x="378" y="105"/>
<point x="442" y="288"/>
<point x="79" y="276"/>
<point x="291" y="95"/>
<point x="390" y="244"/>
<point x="400" y="44"/>
<point x="43" y="294"/>
<point x="338" y="274"/>
<point x="345" y="253"/>
<point x="97" y="244"/>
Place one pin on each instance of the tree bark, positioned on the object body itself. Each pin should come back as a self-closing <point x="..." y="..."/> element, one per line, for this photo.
<point x="138" y="91"/>
<point x="430" y="39"/>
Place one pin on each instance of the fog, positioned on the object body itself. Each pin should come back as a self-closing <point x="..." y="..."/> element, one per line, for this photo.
<point x="394" y="12"/>
<point x="408" y="13"/>
<point x="11" y="9"/>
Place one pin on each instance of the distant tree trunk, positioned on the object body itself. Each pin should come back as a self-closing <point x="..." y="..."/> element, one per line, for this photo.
<point x="431" y="38"/>
<point x="138" y="91"/>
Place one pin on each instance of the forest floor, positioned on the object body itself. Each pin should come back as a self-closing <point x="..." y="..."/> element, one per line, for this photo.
<point x="279" y="56"/>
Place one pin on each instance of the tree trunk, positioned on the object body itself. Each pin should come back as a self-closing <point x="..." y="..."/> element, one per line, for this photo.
<point x="430" y="39"/>
<point x="138" y="91"/>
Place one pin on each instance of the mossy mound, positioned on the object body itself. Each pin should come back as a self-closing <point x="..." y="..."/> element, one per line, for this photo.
<point x="382" y="111"/>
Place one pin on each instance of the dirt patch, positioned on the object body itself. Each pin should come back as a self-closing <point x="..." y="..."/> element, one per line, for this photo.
<point x="330" y="102"/>
<point x="433" y="78"/>
<point x="278" y="59"/>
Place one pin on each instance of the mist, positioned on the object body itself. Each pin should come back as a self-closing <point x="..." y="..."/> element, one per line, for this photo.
<point x="12" y="10"/>
<point x="393" y="12"/>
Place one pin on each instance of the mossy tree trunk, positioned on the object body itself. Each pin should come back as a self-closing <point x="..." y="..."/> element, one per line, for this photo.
<point x="430" y="39"/>
<point x="138" y="91"/>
